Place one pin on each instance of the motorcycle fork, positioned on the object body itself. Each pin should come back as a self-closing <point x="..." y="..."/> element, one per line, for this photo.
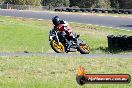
<point x="57" y="38"/>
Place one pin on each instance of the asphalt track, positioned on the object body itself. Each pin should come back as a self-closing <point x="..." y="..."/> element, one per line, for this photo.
<point x="3" y="54"/>
<point x="110" y="21"/>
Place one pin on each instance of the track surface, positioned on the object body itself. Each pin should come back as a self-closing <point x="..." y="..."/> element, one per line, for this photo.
<point x="117" y="22"/>
<point x="68" y="55"/>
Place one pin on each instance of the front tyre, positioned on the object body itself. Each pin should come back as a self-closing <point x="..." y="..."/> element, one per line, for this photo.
<point x="84" y="48"/>
<point x="56" y="47"/>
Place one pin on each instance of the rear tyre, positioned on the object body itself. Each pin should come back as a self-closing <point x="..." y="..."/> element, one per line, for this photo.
<point x="56" y="47"/>
<point x="84" y="48"/>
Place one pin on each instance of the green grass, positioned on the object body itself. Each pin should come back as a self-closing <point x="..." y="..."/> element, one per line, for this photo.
<point x="17" y="35"/>
<point x="20" y="35"/>
<point x="96" y="36"/>
<point x="58" y="72"/>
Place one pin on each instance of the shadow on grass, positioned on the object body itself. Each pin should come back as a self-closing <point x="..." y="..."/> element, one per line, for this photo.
<point x="113" y="51"/>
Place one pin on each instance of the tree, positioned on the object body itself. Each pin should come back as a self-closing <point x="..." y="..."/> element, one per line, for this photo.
<point x="24" y="2"/>
<point x="114" y="4"/>
<point x="118" y="4"/>
<point x="73" y="3"/>
<point x="103" y="4"/>
<point x="125" y="4"/>
<point x="121" y="4"/>
<point x="82" y="3"/>
<point x="90" y="3"/>
<point x="55" y="3"/>
<point x="1" y="1"/>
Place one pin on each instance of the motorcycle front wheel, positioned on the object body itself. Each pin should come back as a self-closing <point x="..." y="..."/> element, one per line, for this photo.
<point x="84" y="48"/>
<point x="59" y="48"/>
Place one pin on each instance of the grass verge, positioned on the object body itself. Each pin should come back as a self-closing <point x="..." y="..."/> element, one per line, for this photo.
<point x="58" y="72"/>
<point x="26" y="35"/>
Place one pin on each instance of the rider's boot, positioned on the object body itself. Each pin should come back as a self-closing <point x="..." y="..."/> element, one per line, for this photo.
<point x="68" y="45"/>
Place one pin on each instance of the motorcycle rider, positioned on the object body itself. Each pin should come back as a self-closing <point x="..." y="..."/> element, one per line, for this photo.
<point x="64" y="29"/>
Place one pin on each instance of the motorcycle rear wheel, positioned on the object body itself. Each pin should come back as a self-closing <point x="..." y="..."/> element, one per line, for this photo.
<point x="56" y="47"/>
<point x="84" y="48"/>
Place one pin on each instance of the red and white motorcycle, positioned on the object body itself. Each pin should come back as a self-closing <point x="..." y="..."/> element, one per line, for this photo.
<point x="63" y="40"/>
